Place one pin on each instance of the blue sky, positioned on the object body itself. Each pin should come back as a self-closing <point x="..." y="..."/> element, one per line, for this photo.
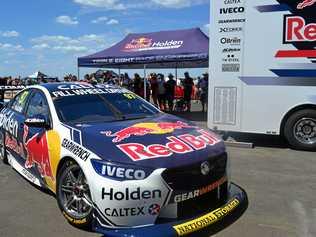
<point x="49" y="35"/>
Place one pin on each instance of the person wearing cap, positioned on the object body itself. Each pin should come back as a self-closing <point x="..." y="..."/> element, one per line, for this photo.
<point x="170" y="91"/>
<point x="188" y="87"/>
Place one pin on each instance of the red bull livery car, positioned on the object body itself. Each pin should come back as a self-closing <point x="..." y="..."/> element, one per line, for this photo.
<point x="117" y="164"/>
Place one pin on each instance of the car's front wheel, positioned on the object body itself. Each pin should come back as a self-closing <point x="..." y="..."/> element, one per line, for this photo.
<point x="73" y="195"/>
<point x="3" y="154"/>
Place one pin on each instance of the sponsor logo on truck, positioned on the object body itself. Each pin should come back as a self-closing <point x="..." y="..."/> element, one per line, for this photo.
<point x="297" y="30"/>
<point x="232" y="10"/>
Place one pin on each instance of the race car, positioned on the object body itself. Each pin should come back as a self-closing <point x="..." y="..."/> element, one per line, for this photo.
<point x="117" y="164"/>
<point x="7" y="93"/>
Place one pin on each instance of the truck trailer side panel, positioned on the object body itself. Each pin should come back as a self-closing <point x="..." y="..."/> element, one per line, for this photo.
<point x="262" y="63"/>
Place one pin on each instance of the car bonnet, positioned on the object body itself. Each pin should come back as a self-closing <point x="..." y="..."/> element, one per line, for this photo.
<point x="162" y="141"/>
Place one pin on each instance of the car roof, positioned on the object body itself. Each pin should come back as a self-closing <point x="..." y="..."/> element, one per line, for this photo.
<point x="56" y="85"/>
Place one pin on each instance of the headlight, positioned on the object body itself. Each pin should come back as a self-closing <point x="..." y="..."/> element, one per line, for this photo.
<point x="120" y="172"/>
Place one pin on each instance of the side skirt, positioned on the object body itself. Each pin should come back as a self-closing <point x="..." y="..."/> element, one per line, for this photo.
<point x="21" y="170"/>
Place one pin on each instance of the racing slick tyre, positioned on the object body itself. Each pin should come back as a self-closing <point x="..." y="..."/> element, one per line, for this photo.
<point x="3" y="154"/>
<point x="73" y="196"/>
<point x="300" y="130"/>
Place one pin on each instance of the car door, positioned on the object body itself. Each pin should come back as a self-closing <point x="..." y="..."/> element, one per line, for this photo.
<point x="35" y="138"/>
<point x="11" y="122"/>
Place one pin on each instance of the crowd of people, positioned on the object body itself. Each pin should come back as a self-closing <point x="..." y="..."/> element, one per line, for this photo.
<point x="11" y="81"/>
<point x="164" y="92"/>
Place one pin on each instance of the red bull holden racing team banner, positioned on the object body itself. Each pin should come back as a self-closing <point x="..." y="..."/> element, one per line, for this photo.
<point x="186" y="48"/>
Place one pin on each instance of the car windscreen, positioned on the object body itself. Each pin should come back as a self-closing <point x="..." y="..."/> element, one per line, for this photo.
<point x="102" y="108"/>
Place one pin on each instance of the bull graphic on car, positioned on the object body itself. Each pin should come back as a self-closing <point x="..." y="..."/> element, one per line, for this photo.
<point x="37" y="152"/>
<point x="142" y="129"/>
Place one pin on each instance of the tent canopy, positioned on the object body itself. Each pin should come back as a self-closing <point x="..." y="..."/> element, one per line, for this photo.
<point x="164" y="49"/>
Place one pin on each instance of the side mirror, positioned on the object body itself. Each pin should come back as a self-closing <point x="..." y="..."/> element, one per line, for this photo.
<point x="37" y="121"/>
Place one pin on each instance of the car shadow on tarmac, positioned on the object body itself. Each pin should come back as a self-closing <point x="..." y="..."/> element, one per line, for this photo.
<point x="50" y="193"/>
<point x="258" y="140"/>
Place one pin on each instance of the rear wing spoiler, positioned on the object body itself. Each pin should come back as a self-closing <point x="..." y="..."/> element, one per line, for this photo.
<point x="8" y="92"/>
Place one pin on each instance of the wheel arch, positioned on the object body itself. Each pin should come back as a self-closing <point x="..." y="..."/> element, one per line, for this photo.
<point x="291" y="112"/>
<point x="62" y="162"/>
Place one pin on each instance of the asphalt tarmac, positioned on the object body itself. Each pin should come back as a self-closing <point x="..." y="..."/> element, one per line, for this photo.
<point x="281" y="186"/>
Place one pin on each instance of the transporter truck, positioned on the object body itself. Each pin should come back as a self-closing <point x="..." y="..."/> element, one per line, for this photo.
<point x="263" y="69"/>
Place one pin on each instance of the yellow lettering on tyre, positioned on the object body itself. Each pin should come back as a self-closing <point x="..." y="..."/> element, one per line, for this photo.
<point x="74" y="221"/>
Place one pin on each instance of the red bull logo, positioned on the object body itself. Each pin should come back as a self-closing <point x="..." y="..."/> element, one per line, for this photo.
<point x="142" y="129"/>
<point x="140" y="43"/>
<point x="305" y="3"/>
<point x="146" y="44"/>
<point x="182" y="144"/>
<point x="297" y="30"/>
<point x="37" y="152"/>
<point x="14" y="145"/>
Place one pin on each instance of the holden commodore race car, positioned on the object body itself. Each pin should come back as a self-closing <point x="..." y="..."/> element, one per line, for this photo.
<point x="116" y="163"/>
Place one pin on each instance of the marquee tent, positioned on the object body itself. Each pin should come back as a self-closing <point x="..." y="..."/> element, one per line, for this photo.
<point x="165" y="49"/>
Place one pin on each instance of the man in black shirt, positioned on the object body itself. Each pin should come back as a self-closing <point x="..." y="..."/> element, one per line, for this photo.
<point x="137" y="85"/>
<point x="188" y="87"/>
<point x="170" y="91"/>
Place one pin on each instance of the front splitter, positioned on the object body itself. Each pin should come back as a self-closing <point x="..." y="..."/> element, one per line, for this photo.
<point x="207" y="224"/>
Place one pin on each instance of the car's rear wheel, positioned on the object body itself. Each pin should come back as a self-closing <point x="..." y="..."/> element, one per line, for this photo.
<point x="300" y="130"/>
<point x="73" y="196"/>
<point x="3" y="154"/>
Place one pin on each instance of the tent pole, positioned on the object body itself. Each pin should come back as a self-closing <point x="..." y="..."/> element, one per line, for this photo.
<point x="119" y="73"/>
<point x="176" y="74"/>
<point x="145" y="82"/>
<point x="78" y="73"/>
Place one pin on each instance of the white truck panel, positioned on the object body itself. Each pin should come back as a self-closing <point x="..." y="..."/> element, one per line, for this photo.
<point x="252" y="87"/>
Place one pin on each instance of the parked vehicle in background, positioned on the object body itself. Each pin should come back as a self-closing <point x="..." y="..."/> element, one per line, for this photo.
<point x="262" y="69"/>
<point x="7" y="93"/>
